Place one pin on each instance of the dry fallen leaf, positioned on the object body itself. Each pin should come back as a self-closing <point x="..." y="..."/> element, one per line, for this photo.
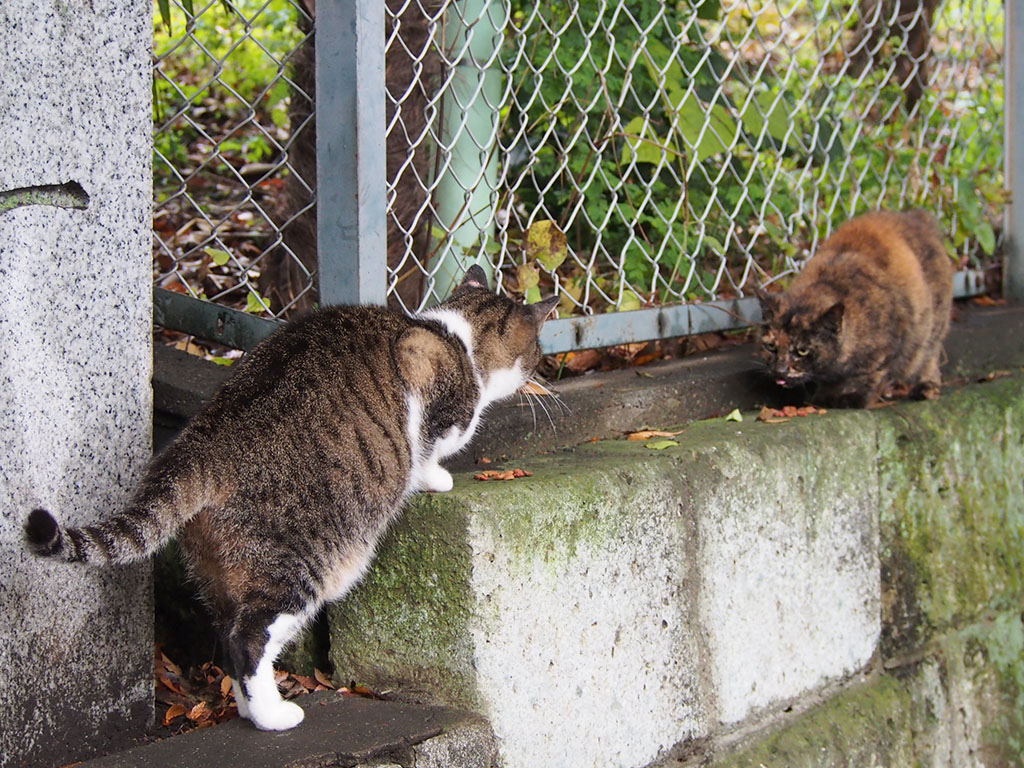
<point x="647" y="434"/>
<point x="533" y="388"/>
<point x="173" y="713"/>
<point x="777" y="415"/>
<point x="993" y="375"/>
<point x="307" y="681"/>
<point x="199" y="713"/>
<point x="225" y="687"/>
<point x="987" y="301"/>
<point x="323" y="678"/>
<point x="660" y="445"/>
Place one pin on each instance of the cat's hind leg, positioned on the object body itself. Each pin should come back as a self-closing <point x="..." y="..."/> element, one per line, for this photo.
<point x="254" y="643"/>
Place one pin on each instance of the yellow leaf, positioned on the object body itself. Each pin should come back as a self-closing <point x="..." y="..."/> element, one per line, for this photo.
<point x="546" y="243"/>
<point x="647" y="434"/>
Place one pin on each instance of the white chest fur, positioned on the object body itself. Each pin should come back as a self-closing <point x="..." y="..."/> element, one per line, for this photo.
<point x="427" y="473"/>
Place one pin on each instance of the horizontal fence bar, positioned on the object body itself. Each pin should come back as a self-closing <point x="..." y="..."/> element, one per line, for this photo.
<point x="241" y="330"/>
<point x="616" y="328"/>
<point x="230" y="327"/>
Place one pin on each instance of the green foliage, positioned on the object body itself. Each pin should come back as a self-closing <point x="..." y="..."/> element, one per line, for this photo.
<point x="670" y="160"/>
<point x="224" y="66"/>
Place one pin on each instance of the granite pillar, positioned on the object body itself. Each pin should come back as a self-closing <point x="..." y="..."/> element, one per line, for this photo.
<point x="75" y="366"/>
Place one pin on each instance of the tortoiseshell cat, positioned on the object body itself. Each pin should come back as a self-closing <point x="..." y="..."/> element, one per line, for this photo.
<point x="280" y="489"/>
<point x="867" y="314"/>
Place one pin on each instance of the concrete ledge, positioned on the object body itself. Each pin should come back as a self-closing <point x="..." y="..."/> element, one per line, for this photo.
<point x="607" y="404"/>
<point x="338" y="731"/>
<point x="626" y="600"/>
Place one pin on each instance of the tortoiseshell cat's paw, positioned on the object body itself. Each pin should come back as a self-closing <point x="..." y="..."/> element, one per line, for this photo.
<point x="927" y="390"/>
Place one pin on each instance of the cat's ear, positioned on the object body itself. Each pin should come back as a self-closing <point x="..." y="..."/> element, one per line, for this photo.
<point x="832" y="320"/>
<point x="475" y="277"/>
<point x="542" y="309"/>
<point x="420" y="354"/>
<point x="769" y="304"/>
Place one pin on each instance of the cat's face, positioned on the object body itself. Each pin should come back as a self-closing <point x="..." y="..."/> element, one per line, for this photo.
<point x="504" y="334"/>
<point x="799" y="343"/>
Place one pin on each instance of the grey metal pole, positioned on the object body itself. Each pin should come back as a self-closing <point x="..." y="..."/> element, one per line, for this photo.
<point x="1013" y="76"/>
<point x="351" y="161"/>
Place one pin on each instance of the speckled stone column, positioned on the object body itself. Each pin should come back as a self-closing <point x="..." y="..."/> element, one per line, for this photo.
<point x="75" y="365"/>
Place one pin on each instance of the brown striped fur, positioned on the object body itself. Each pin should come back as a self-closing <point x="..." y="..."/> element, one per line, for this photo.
<point x="280" y="489"/>
<point x="867" y="315"/>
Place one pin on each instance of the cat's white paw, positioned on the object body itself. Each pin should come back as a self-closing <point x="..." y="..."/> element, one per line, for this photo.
<point x="437" y="479"/>
<point x="276" y="716"/>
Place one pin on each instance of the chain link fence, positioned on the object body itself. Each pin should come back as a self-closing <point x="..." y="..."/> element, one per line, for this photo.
<point x="626" y="154"/>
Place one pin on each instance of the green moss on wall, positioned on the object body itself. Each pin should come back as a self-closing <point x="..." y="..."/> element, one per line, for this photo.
<point x="952" y="511"/>
<point x="868" y="725"/>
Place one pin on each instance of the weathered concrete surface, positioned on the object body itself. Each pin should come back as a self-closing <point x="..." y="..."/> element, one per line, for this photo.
<point x="625" y="605"/>
<point x="952" y="511"/>
<point x="75" y="401"/>
<point x="624" y="599"/>
<point x="338" y="732"/>
<point x="960" y="705"/>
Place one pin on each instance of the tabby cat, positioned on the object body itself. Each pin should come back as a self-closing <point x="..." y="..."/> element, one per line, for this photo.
<point x="281" y="488"/>
<point x="867" y="315"/>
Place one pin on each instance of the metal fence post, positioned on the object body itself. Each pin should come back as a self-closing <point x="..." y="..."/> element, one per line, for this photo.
<point x="470" y="117"/>
<point x="351" y="159"/>
<point x="1013" y="74"/>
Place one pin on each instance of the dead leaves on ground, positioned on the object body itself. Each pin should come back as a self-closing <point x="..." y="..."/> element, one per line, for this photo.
<point x="498" y="474"/>
<point x="205" y="697"/>
<point x="779" y="415"/>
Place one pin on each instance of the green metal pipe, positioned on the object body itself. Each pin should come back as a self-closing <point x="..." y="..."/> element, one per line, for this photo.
<point x="468" y="134"/>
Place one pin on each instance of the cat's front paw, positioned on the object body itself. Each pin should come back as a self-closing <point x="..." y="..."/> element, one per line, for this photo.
<point x="437" y="479"/>
<point x="276" y="716"/>
<point x="240" y="701"/>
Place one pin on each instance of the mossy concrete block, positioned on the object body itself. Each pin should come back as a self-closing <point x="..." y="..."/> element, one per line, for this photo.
<point x="788" y="545"/>
<point x="865" y="725"/>
<point x="559" y="606"/>
<point x="624" y="599"/>
<point x="962" y="704"/>
<point x="952" y="510"/>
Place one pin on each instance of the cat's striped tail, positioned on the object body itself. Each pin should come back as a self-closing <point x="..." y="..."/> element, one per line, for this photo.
<point x="159" y="507"/>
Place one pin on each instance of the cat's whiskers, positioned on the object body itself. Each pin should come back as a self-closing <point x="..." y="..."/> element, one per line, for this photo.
<point x="523" y="393"/>
<point x="536" y="392"/>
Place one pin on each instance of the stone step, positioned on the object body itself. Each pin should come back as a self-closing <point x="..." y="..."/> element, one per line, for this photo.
<point x="338" y="731"/>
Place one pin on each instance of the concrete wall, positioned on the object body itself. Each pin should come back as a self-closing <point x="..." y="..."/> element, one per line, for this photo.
<point x="835" y="590"/>
<point x="75" y="363"/>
